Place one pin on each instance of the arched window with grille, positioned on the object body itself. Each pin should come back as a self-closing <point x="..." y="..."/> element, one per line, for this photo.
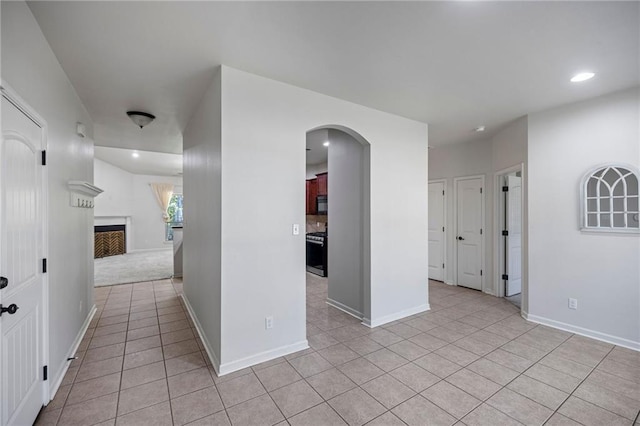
<point x="610" y="200"/>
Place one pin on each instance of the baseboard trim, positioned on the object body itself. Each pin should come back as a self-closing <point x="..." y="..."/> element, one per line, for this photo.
<point x="396" y="316"/>
<point x="150" y="249"/>
<point x="55" y="384"/>
<point x="258" y="358"/>
<point x="207" y="346"/>
<point x="604" y="337"/>
<point x="344" y="308"/>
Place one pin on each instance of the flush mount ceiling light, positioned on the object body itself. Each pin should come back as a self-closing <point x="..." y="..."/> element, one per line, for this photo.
<point x="135" y="155"/>
<point x="583" y="76"/>
<point x="479" y="129"/>
<point x="326" y="143"/>
<point x="140" y="118"/>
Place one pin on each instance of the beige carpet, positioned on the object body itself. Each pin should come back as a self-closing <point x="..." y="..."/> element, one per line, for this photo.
<point x="134" y="267"/>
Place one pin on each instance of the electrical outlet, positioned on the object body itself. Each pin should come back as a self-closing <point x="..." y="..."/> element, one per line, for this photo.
<point x="573" y="303"/>
<point x="268" y="323"/>
<point x="296" y="229"/>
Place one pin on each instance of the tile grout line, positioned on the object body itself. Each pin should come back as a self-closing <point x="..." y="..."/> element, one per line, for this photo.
<point x="164" y="362"/>
<point x="582" y="381"/>
<point x="512" y="380"/>
<point x="344" y="342"/>
<point x="502" y="386"/>
<point x="123" y="356"/>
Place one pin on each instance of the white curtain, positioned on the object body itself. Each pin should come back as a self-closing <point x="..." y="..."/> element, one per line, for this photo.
<point x="163" y="193"/>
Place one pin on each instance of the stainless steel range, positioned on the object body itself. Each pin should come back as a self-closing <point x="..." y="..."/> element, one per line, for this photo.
<point x="317" y="253"/>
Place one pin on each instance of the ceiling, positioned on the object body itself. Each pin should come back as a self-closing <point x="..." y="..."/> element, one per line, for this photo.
<point x="317" y="153"/>
<point x="454" y="65"/>
<point x="147" y="163"/>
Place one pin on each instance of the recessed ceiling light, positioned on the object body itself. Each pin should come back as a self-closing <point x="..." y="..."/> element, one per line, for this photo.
<point x="479" y="129"/>
<point x="326" y="143"/>
<point x="583" y="76"/>
<point x="135" y="155"/>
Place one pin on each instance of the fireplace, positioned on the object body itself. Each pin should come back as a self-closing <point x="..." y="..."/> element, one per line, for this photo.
<point x="109" y="240"/>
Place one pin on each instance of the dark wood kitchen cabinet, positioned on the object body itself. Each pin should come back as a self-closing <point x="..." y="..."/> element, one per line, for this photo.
<point x="322" y="183"/>
<point x="312" y="193"/>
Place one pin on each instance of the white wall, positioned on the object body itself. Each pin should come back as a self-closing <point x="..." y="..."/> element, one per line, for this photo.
<point x="147" y="221"/>
<point x="127" y="194"/>
<point x="506" y="148"/>
<point x="316" y="169"/>
<point x="509" y="145"/>
<point x="117" y="199"/>
<point x="346" y="227"/>
<point x="31" y="69"/>
<point x="202" y="240"/>
<point x="468" y="159"/>
<point x="264" y="125"/>
<point x="602" y="271"/>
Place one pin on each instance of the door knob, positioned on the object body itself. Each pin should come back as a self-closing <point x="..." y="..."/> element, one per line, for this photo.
<point x="11" y="309"/>
<point x="3" y="282"/>
<point x="460" y="238"/>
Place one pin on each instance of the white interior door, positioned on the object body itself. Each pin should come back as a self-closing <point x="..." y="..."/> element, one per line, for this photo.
<point x="469" y="232"/>
<point x="21" y="233"/>
<point x="513" y="252"/>
<point x="436" y="231"/>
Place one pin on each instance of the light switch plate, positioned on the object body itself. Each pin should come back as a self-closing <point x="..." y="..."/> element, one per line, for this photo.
<point x="296" y="229"/>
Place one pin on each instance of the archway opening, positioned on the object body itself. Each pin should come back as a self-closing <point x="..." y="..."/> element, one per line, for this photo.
<point x="338" y="221"/>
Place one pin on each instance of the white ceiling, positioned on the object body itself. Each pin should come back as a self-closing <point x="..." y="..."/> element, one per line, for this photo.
<point x="317" y="153"/>
<point x="147" y="163"/>
<point x="454" y="65"/>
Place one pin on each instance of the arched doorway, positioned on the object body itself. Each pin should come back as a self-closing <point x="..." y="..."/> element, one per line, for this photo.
<point x="347" y="221"/>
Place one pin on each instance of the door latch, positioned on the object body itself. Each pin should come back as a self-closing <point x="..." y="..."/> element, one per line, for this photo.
<point x="460" y="238"/>
<point x="11" y="309"/>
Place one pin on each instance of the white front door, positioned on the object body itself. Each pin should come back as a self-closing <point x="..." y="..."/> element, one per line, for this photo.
<point x="513" y="253"/>
<point x="436" y="231"/>
<point x="21" y="250"/>
<point x="469" y="232"/>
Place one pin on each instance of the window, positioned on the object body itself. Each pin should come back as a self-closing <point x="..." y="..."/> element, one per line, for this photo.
<point x="610" y="200"/>
<point x="174" y="211"/>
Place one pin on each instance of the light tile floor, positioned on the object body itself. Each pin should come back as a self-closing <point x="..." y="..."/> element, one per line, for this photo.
<point x="471" y="360"/>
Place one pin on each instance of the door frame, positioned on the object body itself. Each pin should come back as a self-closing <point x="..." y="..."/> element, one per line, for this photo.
<point x="482" y="221"/>
<point x="446" y="227"/>
<point x="13" y="97"/>
<point x="498" y="219"/>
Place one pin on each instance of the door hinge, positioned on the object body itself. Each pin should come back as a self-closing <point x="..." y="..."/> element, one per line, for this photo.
<point x="505" y="276"/>
<point x="443" y="229"/>
<point x="505" y="189"/>
<point x="480" y="272"/>
<point x="45" y="373"/>
<point x="443" y="192"/>
<point x="505" y="233"/>
<point x="44" y="266"/>
<point x="480" y="231"/>
<point x="44" y="157"/>
<point x="481" y="190"/>
<point x="443" y="265"/>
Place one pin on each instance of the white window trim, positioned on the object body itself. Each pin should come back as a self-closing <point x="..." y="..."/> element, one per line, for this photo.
<point x="583" y="201"/>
